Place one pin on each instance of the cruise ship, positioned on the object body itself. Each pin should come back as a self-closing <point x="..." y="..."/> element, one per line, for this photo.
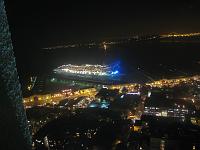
<point x="87" y="70"/>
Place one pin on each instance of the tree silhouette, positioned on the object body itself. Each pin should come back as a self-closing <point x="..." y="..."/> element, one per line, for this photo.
<point x="14" y="131"/>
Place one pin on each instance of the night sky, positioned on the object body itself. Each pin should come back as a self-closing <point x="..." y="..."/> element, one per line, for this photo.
<point x="36" y="24"/>
<point x="48" y="22"/>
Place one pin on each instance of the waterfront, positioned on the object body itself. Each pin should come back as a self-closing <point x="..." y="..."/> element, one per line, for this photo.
<point x="156" y="58"/>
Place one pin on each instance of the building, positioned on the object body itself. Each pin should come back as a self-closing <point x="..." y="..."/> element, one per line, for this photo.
<point x="161" y="106"/>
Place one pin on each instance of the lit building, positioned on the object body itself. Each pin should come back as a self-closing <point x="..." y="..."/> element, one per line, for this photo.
<point x="163" y="107"/>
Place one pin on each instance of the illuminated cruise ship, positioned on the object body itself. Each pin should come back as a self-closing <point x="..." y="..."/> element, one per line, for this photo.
<point x="88" y="70"/>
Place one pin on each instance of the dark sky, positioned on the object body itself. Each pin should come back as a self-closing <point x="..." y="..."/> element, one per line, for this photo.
<point x="50" y="22"/>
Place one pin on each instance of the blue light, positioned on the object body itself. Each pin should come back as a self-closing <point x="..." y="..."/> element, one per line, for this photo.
<point x="104" y="106"/>
<point x="115" y="72"/>
<point x="93" y="106"/>
<point x="115" y="67"/>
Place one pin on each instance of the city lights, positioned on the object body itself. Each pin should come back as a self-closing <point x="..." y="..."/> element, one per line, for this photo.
<point x="180" y="35"/>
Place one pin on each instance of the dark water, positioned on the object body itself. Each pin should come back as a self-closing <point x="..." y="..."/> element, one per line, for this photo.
<point x="155" y="59"/>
